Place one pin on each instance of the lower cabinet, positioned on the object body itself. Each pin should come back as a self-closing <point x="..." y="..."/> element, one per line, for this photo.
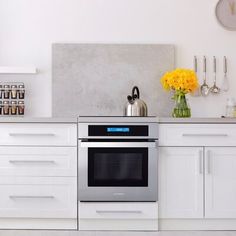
<point x="197" y="183"/>
<point x="220" y="182"/>
<point x="118" y="216"/>
<point x="38" y="201"/>
<point x="180" y="182"/>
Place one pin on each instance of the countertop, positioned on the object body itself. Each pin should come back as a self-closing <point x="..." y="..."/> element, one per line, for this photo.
<point x="169" y="120"/>
<point x="37" y="120"/>
<point x="161" y="120"/>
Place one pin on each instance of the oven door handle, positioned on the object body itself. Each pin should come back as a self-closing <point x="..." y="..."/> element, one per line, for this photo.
<point x="85" y="144"/>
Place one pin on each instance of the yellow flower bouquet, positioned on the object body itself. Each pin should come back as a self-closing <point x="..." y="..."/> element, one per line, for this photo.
<point x="182" y="82"/>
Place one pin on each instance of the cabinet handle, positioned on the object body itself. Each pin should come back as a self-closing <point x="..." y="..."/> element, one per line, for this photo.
<point x="208" y="162"/>
<point x="31" y="134"/>
<point x="120" y="212"/>
<point x="31" y="161"/>
<point x="31" y="197"/>
<point x="205" y="135"/>
<point x="200" y="162"/>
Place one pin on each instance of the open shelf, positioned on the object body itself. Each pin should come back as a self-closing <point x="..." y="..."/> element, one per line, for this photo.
<point x="18" y="70"/>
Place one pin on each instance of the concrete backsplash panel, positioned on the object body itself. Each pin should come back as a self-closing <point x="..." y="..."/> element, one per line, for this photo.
<point x="95" y="79"/>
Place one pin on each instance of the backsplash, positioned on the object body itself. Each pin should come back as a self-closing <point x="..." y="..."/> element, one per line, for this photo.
<point x="95" y="79"/>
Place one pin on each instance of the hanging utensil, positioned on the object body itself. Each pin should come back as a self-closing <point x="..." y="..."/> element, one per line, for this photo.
<point x="197" y="92"/>
<point x="225" y="83"/>
<point x="214" y="89"/>
<point x="204" y="87"/>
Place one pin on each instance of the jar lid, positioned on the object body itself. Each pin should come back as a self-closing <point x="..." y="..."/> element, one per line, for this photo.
<point x="230" y="102"/>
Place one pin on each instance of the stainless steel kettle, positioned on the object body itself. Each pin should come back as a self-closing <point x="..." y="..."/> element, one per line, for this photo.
<point x="135" y="106"/>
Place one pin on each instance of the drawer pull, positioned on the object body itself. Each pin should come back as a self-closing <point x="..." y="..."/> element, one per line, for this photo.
<point x="31" y="197"/>
<point x="31" y="161"/>
<point x="31" y="134"/>
<point x="120" y="212"/>
<point x="204" y="135"/>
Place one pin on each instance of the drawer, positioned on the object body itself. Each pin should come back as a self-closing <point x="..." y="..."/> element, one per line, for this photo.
<point x="38" y="197"/>
<point x="38" y="134"/>
<point x="197" y="135"/>
<point x="38" y="161"/>
<point x="116" y="210"/>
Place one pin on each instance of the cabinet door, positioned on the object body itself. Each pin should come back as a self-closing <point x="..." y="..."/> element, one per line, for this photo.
<point x="220" y="182"/>
<point x="181" y="182"/>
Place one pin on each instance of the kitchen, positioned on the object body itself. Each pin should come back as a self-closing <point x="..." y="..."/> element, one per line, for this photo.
<point x="29" y="29"/>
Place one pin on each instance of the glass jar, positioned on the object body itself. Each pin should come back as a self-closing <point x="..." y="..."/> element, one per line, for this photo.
<point x="6" y="91"/>
<point x="230" y="108"/>
<point x="21" y="91"/>
<point x="13" y="92"/>
<point x="6" y="108"/>
<point x="0" y="107"/>
<point x="13" y="108"/>
<point x="181" y="109"/>
<point x="21" y="108"/>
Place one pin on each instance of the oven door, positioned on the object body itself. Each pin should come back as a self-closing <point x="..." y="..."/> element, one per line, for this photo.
<point x="117" y="171"/>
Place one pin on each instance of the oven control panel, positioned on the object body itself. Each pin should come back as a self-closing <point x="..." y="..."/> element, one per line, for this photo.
<point x="118" y="130"/>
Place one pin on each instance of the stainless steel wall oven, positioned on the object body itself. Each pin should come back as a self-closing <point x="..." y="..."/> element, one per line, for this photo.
<point x="118" y="161"/>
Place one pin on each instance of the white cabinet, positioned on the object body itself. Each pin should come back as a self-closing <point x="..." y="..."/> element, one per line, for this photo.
<point x="38" y="134"/>
<point x="38" y="197"/>
<point x="220" y="182"/>
<point x="38" y="161"/>
<point x="118" y="216"/>
<point x="38" y="176"/>
<point x="181" y="182"/>
<point x="197" y="135"/>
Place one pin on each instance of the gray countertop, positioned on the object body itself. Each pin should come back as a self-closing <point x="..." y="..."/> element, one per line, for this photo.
<point x="37" y="120"/>
<point x="169" y="120"/>
<point x="161" y="120"/>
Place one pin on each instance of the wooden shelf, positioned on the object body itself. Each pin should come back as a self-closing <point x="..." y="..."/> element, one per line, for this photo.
<point x="18" y="70"/>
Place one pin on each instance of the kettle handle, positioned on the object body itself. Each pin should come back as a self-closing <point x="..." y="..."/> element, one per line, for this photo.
<point x="135" y="89"/>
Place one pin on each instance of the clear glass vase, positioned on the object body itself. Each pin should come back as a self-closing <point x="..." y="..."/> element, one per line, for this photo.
<point x="181" y="109"/>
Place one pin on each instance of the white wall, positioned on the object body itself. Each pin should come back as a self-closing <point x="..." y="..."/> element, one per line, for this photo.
<point x="28" y="27"/>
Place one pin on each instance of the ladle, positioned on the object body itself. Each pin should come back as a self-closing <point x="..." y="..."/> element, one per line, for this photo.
<point x="214" y="89"/>
<point x="204" y="87"/>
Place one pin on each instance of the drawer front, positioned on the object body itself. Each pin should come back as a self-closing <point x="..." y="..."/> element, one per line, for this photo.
<point x="115" y="210"/>
<point x="197" y="135"/>
<point x="38" y="161"/>
<point x="38" y="134"/>
<point x="38" y="197"/>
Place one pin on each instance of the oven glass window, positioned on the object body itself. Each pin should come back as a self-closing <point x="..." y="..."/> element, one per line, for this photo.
<point x="125" y="167"/>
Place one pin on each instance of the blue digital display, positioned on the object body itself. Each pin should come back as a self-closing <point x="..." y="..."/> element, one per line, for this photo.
<point x="118" y="130"/>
